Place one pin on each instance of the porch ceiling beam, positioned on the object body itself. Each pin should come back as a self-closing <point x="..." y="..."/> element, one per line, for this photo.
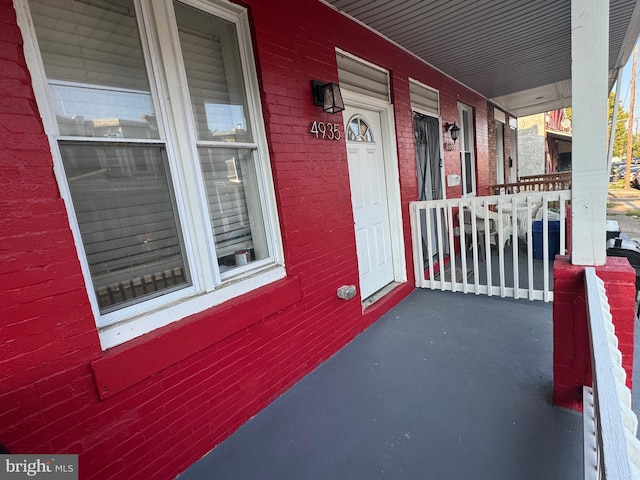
<point x="589" y="83"/>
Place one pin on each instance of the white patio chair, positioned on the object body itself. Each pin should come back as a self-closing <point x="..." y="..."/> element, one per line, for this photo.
<point x="493" y="220"/>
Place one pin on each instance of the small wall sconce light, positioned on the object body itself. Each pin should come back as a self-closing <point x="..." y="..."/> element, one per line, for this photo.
<point x="453" y="130"/>
<point x="328" y="96"/>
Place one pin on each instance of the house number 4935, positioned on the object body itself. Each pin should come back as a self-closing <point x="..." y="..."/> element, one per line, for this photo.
<point x="330" y="131"/>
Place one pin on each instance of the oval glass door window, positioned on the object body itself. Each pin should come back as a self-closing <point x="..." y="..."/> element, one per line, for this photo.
<point x="359" y="130"/>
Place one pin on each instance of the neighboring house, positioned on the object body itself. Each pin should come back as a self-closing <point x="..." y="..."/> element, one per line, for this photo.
<point x="544" y="143"/>
<point x="558" y="127"/>
<point x="178" y="215"/>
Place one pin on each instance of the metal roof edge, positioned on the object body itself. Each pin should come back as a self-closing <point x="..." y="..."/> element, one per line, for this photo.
<point x="630" y="39"/>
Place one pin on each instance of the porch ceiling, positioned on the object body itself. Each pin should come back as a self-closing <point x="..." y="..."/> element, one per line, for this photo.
<point x="517" y="53"/>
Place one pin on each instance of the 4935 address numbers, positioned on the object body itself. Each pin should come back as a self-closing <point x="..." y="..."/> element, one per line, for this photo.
<point x="330" y="131"/>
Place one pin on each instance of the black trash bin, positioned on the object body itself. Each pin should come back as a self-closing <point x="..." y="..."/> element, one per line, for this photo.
<point x="613" y="229"/>
<point x="553" y="235"/>
<point x="620" y="247"/>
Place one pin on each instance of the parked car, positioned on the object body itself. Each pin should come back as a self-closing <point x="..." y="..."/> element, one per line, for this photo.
<point x="623" y="169"/>
<point x="633" y="176"/>
<point x="615" y="167"/>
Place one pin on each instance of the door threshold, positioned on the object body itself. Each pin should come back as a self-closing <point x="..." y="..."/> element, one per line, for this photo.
<point x="370" y="300"/>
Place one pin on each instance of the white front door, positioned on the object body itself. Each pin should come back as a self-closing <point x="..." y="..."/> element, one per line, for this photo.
<point x="369" y="199"/>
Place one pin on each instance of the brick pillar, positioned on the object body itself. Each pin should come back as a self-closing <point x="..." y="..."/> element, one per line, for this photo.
<point x="571" y="352"/>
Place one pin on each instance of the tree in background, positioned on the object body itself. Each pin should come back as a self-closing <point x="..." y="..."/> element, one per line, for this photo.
<point x="620" y="140"/>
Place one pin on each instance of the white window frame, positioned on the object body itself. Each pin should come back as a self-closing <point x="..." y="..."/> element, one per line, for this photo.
<point x="500" y="157"/>
<point x="500" y="120"/>
<point x="467" y="130"/>
<point x="165" y="68"/>
<point x="513" y="150"/>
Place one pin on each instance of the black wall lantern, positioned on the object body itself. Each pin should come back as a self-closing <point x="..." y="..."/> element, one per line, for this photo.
<point x="328" y="96"/>
<point x="453" y="130"/>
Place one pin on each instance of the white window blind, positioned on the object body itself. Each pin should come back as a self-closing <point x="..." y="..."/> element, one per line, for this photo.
<point x="362" y="78"/>
<point x="423" y="99"/>
<point x="127" y="218"/>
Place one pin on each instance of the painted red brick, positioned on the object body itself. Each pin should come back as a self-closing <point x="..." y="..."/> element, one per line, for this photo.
<point x="181" y="390"/>
<point x="571" y="352"/>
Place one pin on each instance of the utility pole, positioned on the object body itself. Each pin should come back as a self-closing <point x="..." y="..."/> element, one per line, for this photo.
<point x="627" y="173"/>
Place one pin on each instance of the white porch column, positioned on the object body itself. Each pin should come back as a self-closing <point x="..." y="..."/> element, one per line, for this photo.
<point x="590" y="178"/>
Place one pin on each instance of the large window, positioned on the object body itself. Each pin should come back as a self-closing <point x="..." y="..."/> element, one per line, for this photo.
<point x="152" y="110"/>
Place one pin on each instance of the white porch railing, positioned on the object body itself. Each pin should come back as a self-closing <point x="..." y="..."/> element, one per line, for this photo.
<point x="496" y="245"/>
<point x="611" y="449"/>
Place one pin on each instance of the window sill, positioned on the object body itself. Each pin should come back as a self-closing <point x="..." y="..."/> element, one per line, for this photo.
<point x="124" y="366"/>
<point x="177" y="306"/>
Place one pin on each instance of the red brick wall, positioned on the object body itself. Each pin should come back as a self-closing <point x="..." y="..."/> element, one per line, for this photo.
<point x="450" y="95"/>
<point x="186" y="387"/>
<point x="571" y="351"/>
<point x="483" y="160"/>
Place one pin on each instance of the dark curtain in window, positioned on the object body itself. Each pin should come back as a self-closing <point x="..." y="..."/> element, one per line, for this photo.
<point x="427" y="157"/>
<point x="426" y="131"/>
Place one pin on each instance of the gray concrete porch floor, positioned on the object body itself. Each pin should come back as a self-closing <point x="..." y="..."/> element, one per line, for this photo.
<point x="445" y="386"/>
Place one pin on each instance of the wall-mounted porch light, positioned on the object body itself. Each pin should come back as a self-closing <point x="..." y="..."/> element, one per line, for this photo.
<point x="328" y="96"/>
<point x="453" y="130"/>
